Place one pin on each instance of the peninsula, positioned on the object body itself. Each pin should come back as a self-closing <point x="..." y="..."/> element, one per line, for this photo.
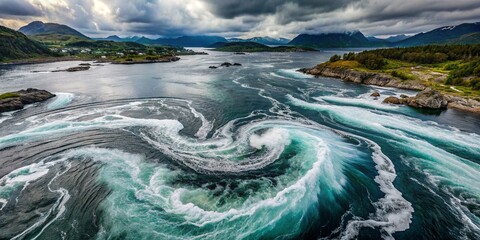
<point x="450" y="73"/>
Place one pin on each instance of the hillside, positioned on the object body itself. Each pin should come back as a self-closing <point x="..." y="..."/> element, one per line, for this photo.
<point x="15" y="45"/>
<point x="40" y="28"/>
<point x="57" y="39"/>
<point x="184" y="41"/>
<point x="467" y="33"/>
<point x="256" y="47"/>
<point x="332" y="40"/>
<point x="110" y="45"/>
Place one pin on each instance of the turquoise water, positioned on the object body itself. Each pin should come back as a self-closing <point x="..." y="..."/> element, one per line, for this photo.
<point x="180" y="151"/>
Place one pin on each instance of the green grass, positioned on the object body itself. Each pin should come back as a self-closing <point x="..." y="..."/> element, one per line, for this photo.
<point x="9" y="95"/>
<point x="56" y="40"/>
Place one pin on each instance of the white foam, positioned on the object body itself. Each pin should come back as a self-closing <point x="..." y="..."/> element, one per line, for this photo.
<point x="61" y="100"/>
<point x="206" y="125"/>
<point x="393" y="125"/>
<point x="360" y="102"/>
<point x="273" y="138"/>
<point x="290" y="74"/>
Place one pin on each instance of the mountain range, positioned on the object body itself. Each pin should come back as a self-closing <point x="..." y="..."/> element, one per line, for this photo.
<point x="263" y="40"/>
<point x="184" y="41"/>
<point x="466" y="33"/>
<point x="332" y="40"/>
<point x="116" y="38"/>
<point x="31" y="39"/>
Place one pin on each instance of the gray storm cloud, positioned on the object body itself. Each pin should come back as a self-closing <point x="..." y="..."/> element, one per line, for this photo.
<point x="242" y="17"/>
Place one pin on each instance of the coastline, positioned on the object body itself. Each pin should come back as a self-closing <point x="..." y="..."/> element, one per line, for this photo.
<point x="45" y="60"/>
<point x="384" y="80"/>
<point x="97" y="60"/>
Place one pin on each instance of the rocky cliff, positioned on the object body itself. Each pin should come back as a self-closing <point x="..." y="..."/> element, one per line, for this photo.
<point x="427" y="98"/>
<point x="377" y="79"/>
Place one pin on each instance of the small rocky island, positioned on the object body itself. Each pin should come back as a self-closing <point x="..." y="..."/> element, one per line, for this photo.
<point x="17" y="100"/>
<point x="80" y="67"/>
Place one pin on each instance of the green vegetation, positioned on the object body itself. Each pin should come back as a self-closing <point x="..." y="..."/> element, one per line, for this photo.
<point x="465" y="74"/>
<point x="335" y="58"/>
<point x="402" y="75"/>
<point x="450" y="68"/>
<point x="57" y="40"/>
<point x="107" y="45"/>
<point x="256" y="47"/>
<point x="15" y="45"/>
<point x="371" y="61"/>
<point x="429" y="54"/>
<point x="9" y="95"/>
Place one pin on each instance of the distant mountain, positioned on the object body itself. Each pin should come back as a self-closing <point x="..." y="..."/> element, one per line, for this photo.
<point x="40" y="28"/>
<point x="263" y="40"/>
<point x="397" y="38"/>
<point x="15" y="45"/>
<point x="269" y="40"/>
<point x="185" y="41"/>
<point x="467" y="33"/>
<point x="236" y="40"/>
<point x="116" y="38"/>
<point x="375" y="39"/>
<point x="241" y="46"/>
<point x="332" y="40"/>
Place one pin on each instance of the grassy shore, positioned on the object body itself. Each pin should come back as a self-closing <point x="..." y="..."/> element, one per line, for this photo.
<point x="430" y="75"/>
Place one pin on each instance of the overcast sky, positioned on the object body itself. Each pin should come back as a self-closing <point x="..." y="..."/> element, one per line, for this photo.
<point x="241" y="18"/>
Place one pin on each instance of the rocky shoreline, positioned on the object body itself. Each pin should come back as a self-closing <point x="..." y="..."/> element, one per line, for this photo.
<point x="17" y="100"/>
<point x="427" y="98"/>
<point x="161" y="60"/>
<point x="377" y="79"/>
<point x="45" y="60"/>
<point x="71" y="59"/>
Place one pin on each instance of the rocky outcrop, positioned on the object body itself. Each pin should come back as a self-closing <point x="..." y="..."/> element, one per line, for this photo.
<point x="81" y="67"/>
<point x="375" y="94"/>
<point x="227" y="64"/>
<point x="392" y="100"/>
<point x="433" y="99"/>
<point x="463" y="104"/>
<point x="377" y="79"/>
<point x="19" y="99"/>
<point x="78" y="68"/>
<point x="428" y="98"/>
<point x="161" y="60"/>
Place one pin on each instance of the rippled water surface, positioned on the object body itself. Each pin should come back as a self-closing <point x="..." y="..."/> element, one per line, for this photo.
<point x="181" y="151"/>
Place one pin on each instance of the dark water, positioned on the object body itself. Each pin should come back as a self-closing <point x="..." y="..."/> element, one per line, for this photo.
<point x="181" y="151"/>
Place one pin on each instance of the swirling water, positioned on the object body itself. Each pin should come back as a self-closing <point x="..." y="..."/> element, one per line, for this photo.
<point x="180" y="151"/>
